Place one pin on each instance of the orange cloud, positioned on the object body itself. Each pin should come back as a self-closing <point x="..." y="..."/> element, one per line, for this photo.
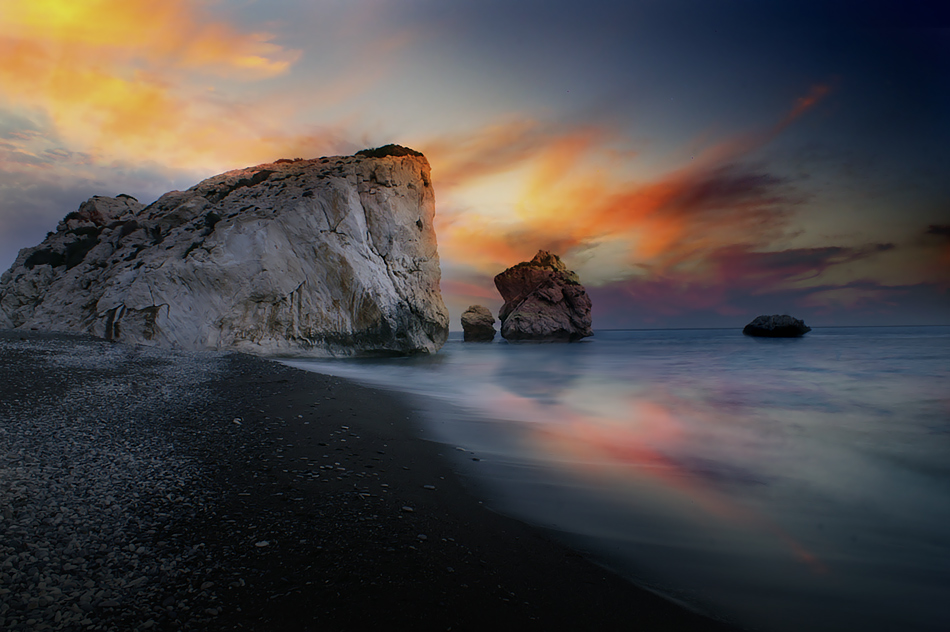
<point x="744" y="144"/>
<point x="805" y="103"/>
<point x="170" y="33"/>
<point x="492" y="150"/>
<point x="128" y="80"/>
<point x="575" y="196"/>
<point x="568" y="203"/>
<point x="469" y="290"/>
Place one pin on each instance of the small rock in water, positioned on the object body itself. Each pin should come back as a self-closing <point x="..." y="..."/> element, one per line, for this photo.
<point x="428" y="487"/>
<point x="408" y="509"/>
<point x="478" y="324"/>
<point x="543" y="301"/>
<point x="422" y="536"/>
<point x="776" y="326"/>
<point x="262" y="544"/>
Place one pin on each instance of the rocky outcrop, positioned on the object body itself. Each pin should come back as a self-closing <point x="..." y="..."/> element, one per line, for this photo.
<point x="776" y="326"/>
<point x="478" y="324"/>
<point x="543" y="301"/>
<point x="331" y="256"/>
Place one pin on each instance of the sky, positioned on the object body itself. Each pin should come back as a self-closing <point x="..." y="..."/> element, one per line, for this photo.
<point x="697" y="163"/>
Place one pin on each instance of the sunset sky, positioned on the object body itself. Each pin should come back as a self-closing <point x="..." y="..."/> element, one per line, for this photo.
<point x="696" y="162"/>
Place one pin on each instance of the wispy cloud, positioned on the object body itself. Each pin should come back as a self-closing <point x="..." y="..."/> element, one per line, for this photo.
<point x="173" y="33"/>
<point x="572" y="194"/>
<point x="491" y="150"/>
<point x="737" y="266"/>
<point x="704" y="238"/>
<point x="817" y="92"/>
<point x="577" y="189"/>
<point x="141" y="81"/>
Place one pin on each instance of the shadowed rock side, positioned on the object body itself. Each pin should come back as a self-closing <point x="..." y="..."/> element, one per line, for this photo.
<point x="478" y="324"/>
<point x="543" y="301"/>
<point x="331" y="256"/>
<point x="776" y="326"/>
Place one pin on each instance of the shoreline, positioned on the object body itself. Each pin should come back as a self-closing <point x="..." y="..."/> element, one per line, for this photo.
<point x="308" y="502"/>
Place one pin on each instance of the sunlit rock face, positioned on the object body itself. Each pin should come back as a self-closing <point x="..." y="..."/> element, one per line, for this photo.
<point x="776" y="326"/>
<point x="331" y="256"/>
<point x="543" y="301"/>
<point x="478" y="324"/>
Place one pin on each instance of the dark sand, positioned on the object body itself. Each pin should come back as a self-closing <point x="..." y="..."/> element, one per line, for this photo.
<point x="323" y="471"/>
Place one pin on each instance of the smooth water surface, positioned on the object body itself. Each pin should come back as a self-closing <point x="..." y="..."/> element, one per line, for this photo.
<point x="784" y="484"/>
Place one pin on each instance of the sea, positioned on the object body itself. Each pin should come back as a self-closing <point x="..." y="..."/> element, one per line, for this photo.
<point x="777" y="484"/>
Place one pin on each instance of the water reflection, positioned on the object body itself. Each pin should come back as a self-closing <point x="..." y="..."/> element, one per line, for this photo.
<point x="787" y="484"/>
<point x="532" y="371"/>
<point x="618" y="440"/>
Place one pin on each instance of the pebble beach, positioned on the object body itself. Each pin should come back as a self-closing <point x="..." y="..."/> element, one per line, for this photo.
<point x="147" y="489"/>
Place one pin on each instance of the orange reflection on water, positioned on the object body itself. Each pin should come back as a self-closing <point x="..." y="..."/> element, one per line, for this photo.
<point x="641" y="438"/>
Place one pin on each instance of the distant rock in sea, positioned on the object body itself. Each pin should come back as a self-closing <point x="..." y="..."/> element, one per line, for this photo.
<point x="478" y="324"/>
<point x="776" y="326"/>
<point x="543" y="301"/>
<point x="330" y="256"/>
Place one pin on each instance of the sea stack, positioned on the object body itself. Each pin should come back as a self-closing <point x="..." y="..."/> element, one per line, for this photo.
<point x="478" y="324"/>
<point x="776" y="326"/>
<point x="544" y="301"/>
<point x="330" y="256"/>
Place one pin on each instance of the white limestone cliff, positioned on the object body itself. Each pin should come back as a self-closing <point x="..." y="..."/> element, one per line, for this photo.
<point x="331" y="256"/>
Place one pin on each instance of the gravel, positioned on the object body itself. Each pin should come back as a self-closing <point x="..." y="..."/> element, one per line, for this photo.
<point x="93" y="489"/>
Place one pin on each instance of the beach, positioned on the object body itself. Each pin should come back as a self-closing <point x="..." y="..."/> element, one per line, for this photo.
<point x="152" y="489"/>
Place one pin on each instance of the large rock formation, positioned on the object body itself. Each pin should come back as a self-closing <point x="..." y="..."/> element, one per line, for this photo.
<point x="331" y="256"/>
<point x="543" y="301"/>
<point x="776" y="326"/>
<point x="478" y="324"/>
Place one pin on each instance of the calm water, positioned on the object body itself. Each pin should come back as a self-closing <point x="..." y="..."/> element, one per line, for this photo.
<point x="780" y="484"/>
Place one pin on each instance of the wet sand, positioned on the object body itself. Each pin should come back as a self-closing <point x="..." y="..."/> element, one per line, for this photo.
<point x="316" y="507"/>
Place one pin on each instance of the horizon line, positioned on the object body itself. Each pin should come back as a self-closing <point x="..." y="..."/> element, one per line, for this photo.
<point x="740" y="328"/>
